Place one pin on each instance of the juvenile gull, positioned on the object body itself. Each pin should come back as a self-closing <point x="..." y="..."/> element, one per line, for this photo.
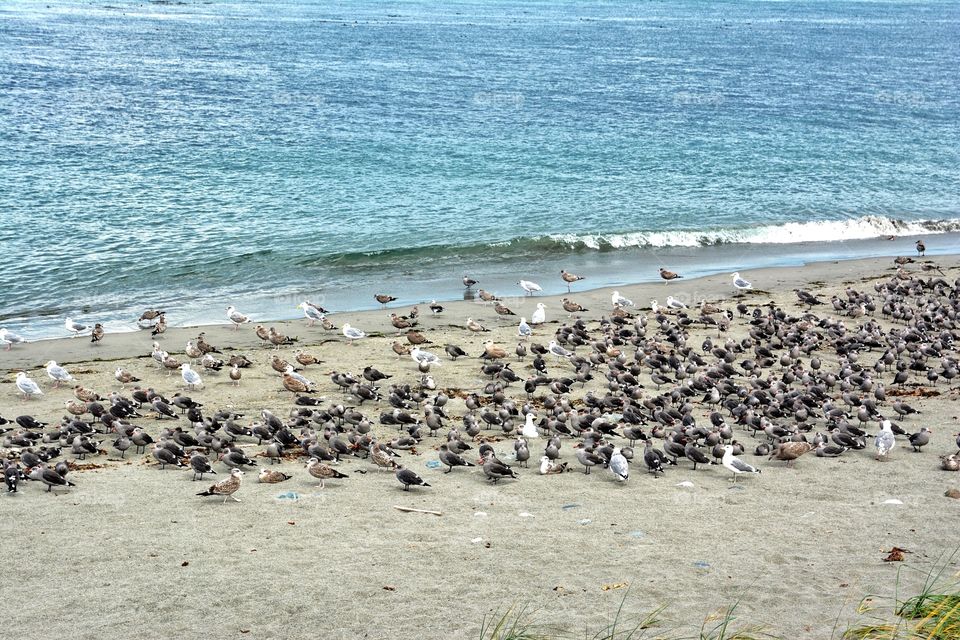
<point x="97" y="334"/>
<point x="74" y="327"/>
<point x="322" y="471"/>
<point x="226" y="487"/>
<point x="10" y="338"/>
<point x="57" y="373"/>
<point x="383" y="298"/>
<point x="669" y="275"/>
<point x="569" y="278"/>
<point x="269" y="476"/>
<point x="236" y="317"/>
<point x="27" y="386"/>
<point x="475" y="326"/>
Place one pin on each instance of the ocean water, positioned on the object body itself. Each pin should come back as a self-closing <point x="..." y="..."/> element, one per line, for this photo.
<point x="190" y="155"/>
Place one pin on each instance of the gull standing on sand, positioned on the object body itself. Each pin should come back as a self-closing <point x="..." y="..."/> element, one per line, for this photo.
<point x="557" y="350"/>
<point x="422" y="357"/>
<point x="226" y="487"/>
<point x="408" y="478"/>
<point x="673" y="303"/>
<point x="27" y="386"/>
<point x="523" y="329"/>
<point x="735" y="464"/>
<point x="739" y="283"/>
<point x="75" y="327"/>
<point x="618" y="466"/>
<point x="236" y="317"/>
<point x="352" y="333"/>
<point x="885" y="440"/>
<point x="539" y="315"/>
<point x="190" y="377"/>
<point x="530" y="287"/>
<point x="57" y="373"/>
<point x="9" y="338"/>
<point x="311" y="313"/>
<point x="619" y="301"/>
<point x="529" y="430"/>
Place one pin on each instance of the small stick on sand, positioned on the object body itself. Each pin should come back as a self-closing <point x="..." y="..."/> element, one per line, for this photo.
<point x="412" y="510"/>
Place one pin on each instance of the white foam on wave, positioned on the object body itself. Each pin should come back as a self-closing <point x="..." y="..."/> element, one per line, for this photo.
<point x="862" y="228"/>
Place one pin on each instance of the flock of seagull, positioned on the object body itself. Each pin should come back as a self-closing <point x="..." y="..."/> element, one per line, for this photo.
<point x="794" y="380"/>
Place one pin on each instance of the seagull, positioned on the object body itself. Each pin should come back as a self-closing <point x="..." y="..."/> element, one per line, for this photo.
<point x="9" y="338"/>
<point x="739" y="283"/>
<point x="529" y="430"/>
<point x="669" y="275"/>
<point x="921" y="248"/>
<point x="190" y="377"/>
<point x="226" y="487"/>
<point x="673" y="303"/>
<point x="569" y="278"/>
<point x="269" y="476"/>
<point x="236" y="317"/>
<point x="885" y="440"/>
<point x="539" y="315"/>
<point x="530" y="287"/>
<point x="408" y="478"/>
<point x="97" y="334"/>
<point x="123" y="376"/>
<point x="27" y="386"/>
<point x="352" y="333"/>
<point x="548" y="467"/>
<point x="523" y="329"/>
<point x="469" y="282"/>
<point x="57" y="373"/>
<point x="422" y="357"/>
<point x="383" y="298"/>
<point x="74" y="327"/>
<point x="735" y="464"/>
<point x="619" y="301"/>
<point x="311" y="313"/>
<point x="322" y="471"/>
<point x="618" y="466"/>
<point x="557" y="350"/>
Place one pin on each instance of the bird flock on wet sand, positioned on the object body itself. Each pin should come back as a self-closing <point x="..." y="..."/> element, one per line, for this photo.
<point x="763" y="381"/>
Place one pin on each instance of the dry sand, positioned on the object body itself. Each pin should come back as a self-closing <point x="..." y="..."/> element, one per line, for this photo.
<point x="133" y="552"/>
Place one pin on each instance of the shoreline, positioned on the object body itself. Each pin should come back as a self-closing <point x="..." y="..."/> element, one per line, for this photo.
<point x="714" y="287"/>
<point x="624" y="267"/>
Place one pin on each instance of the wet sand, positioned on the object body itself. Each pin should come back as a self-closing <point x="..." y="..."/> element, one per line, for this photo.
<point x="133" y="552"/>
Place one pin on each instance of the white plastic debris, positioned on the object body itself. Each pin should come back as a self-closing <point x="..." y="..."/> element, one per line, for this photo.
<point x="526" y="514"/>
<point x="686" y="484"/>
<point x="892" y="501"/>
<point x="480" y="514"/>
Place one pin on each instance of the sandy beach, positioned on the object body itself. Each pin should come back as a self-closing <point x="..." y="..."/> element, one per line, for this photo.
<point x="131" y="551"/>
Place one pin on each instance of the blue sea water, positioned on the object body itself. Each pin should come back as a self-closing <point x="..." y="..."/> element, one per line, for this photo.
<point x="190" y="155"/>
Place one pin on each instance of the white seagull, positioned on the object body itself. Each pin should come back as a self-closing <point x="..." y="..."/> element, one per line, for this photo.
<point x="57" y="373"/>
<point x="558" y="351"/>
<point x="190" y="377"/>
<point x="352" y="333"/>
<point x="619" y="301"/>
<point x="530" y="287"/>
<point x="735" y="464"/>
<point x="236" y="317"/>
<point x="9" y="338"/>
<point x="618" y="466"/>
<point x="74" y="327"/>
<point x="739" y="283"/>
<point x="311" y="313"/>
<point x="529" y="429"/>
<point x="424" y="357"/>
<point x="673" y="303"/>
<point x="27" y="386"/>
<point x="539" y="315"/>
<point x="523" y="329"/>
<point x="885" y="440"/>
